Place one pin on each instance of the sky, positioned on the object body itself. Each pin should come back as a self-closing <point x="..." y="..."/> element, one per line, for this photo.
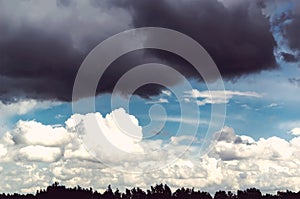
<point x="235" y="130"/>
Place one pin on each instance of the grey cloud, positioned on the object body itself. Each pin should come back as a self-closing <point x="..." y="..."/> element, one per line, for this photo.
<point x="286" y="23"/>
<point x="39" y="58"/>
<point x="292" y="30"/>
<point x="40" y="54"/>
<point x="287" y="57"/>
<point x="63" y="3"/>
<point x="227" y="134"/>
<point x="238" y="38"/>
<point x="295" y="81"/>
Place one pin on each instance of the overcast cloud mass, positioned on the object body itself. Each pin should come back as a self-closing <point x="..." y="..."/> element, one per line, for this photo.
<point x="42" y="43"/>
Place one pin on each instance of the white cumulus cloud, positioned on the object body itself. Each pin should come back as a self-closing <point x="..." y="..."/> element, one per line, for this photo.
<point x="35" y="133"/>
<point x="295" y="131"/>
<point x="40" y="153"/>
<point x="21" y="107"/>
<point x="234" y="162"/>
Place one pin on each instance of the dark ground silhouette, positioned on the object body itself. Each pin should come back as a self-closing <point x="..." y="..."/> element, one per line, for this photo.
<point x="56" y="191"/>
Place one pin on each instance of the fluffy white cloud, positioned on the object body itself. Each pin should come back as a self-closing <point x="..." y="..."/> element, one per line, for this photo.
<point x="40" y="153"/>
<point x="116" y="134"/>
<point x="20" y="108"/>
<point x="295" y="131"/>
<point x="35" y="133"/>
<point x="234" y="162"/>
<point x="216" y="96"/>
<point x="24" y="106"/>
<point x="3" y="150"/>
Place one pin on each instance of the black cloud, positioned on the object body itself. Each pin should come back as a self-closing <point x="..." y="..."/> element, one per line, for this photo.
<point x="292" y="32"/>
<point x="238" y="38"/>
<point x="287" y="24"/>
<point x="40" y="59"/>
<point x="36" y="64"/>
<point x="287" y="57"/>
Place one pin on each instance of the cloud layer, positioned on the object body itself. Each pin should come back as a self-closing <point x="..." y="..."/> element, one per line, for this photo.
<point x="32" y="155"/>
<point x="42" y="44"/>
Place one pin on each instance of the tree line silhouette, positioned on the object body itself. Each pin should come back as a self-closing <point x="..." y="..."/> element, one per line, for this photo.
<point x="56" y="191"/>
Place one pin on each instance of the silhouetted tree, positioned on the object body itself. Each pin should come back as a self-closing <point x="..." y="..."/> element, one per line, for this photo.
<point x="56" y="191"/>
<point x="288" y="195"/>
<point x="251" y="193"/>
<point x="221" y="195"/>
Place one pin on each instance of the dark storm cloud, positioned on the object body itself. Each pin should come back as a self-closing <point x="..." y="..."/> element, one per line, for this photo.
<point x="40" y="53"/>
<point x="237" y="37"/>
<point x="292" y="30"/>
<point x="287" y="57"/>
<point x="128" y="61"/>
<point x="286" y="22"/>
<point x="36" y="63"/>
<point x="63" y="3"/>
